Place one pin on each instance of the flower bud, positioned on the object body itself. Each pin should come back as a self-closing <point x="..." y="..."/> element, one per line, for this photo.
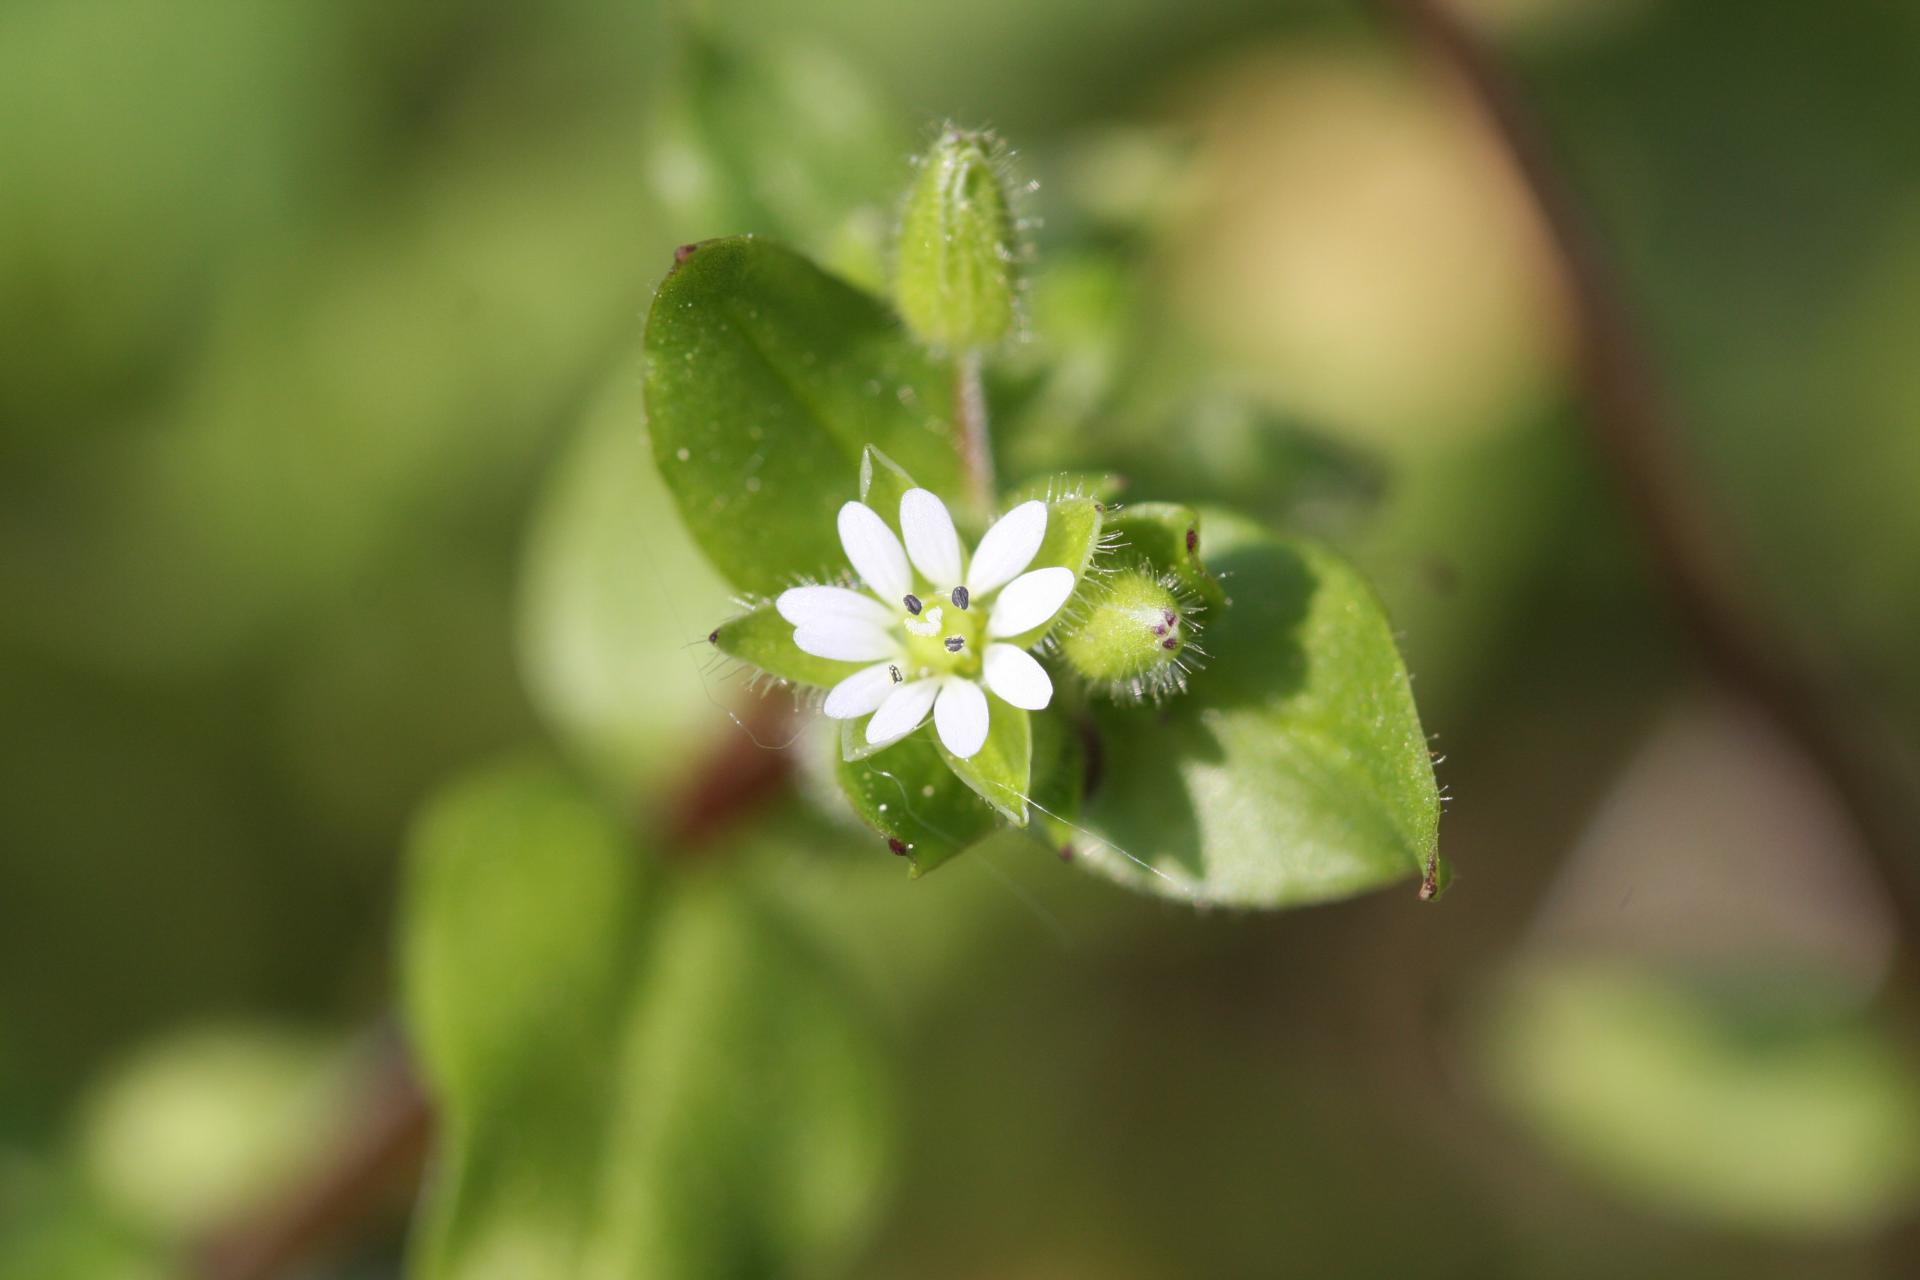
<point x="954" y="278"/>
<point x="1133" y="635"/>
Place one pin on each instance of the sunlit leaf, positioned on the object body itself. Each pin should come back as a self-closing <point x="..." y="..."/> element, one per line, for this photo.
<point x="766" y="381"/>
<point x="1295" y="770"/>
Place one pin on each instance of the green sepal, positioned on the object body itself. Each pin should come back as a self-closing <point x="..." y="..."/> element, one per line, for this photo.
<point x="1073" y="536"/>
<point x="906" y="792"/>
<point x="882" y="484"/>
<point x="1167" y="536"/>
<point x="763" y="638"/>
<point x="1001" y="771"/>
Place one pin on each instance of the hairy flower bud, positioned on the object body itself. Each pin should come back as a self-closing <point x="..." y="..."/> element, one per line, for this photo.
<point x="954" y="278"/>
<point x="1133" y="635"/>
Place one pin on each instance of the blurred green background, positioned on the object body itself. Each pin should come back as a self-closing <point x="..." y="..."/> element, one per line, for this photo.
<point x="323" y="483"/>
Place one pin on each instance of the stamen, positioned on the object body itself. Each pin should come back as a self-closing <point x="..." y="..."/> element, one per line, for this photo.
<point x="913" y="605"/>
<point x="955" y="644"/>
<point x="960" y="597"/>
<point x="894" y="671"/>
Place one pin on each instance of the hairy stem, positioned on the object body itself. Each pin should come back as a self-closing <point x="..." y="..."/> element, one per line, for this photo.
<point x="970" y="417"/>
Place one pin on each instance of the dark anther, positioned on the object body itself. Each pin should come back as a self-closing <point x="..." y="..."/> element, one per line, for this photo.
<point x="1193" y="540"/>
<point x="960" y="597"/>
<point x="913" y="605"/>
<point x="895" y="673"/>
<point x="1160" y="630"/>
<point x="1066" y="853"/>
<point x="897" y="849"/>
<point x="1170" y="616"/>
<point x="955" y="644"/>
<point x="713" y="637"/>
<point x="1171" y="642"/>
<point x="684" y="252"/>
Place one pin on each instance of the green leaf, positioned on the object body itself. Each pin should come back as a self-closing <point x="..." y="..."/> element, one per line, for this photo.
<point x="907" y="793"/>
<point x="634" y="1078"/>
<point x="1294" y="770"/>
<point x="765" y="639"/>
<point x="1001" y="771"/>
<point x="1167" y="535"/>
<point x="766" y="381"/>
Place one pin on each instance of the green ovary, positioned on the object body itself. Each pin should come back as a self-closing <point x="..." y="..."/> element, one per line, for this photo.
<point x="929" y="655"/>
<point x="1132" y="629"/>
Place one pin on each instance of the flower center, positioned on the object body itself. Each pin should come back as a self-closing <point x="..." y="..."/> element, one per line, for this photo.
<point x="942" y="640"/>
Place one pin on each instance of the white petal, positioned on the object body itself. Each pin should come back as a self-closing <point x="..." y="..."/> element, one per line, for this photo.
<point x="874" y="552"/>
<point x="931" y="540"/>
<point x="903" y="711"/>
<point x="846" y="640"/>
<point x="804" y="606"/>
<point x="860" y="693"/>
<point x="1008" y="547"/>
<point x="1012" y="673"/>
<point x="1030" y="600"/>
<point x="960" y="717"/>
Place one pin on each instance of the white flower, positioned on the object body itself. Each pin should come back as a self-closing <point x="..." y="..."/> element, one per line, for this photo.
<point x="935" y="631"/>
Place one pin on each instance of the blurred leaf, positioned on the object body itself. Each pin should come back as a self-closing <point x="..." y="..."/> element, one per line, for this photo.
<point x="782" y="138"/>
<point x="617" y="603"/>
<point x="50" y="1231"/>
<point x="766" y="381"/>
<point x="185" y="1133"/>
<point x="635" y="1078"/>
<point x="1759" y="1105"/>
<point x="1294" y="770"/>
<point x="522" y="914"/>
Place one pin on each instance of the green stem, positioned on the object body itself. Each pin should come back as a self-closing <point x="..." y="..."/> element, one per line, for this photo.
<point x="970" y="416"/>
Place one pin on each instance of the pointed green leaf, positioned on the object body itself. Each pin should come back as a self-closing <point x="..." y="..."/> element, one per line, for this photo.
<point x="766" y="381"/>
<point x="1001" y="771"/>
<point x="764" y="639"/>
<point x="1294" y="770"/>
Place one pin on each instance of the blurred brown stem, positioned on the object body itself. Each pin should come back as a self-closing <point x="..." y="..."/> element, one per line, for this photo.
<point x="384" y="1145"/>
<point x="1633" y="430"/>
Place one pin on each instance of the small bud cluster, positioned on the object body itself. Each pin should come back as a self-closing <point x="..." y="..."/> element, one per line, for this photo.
<point x="1133" y="636"/>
